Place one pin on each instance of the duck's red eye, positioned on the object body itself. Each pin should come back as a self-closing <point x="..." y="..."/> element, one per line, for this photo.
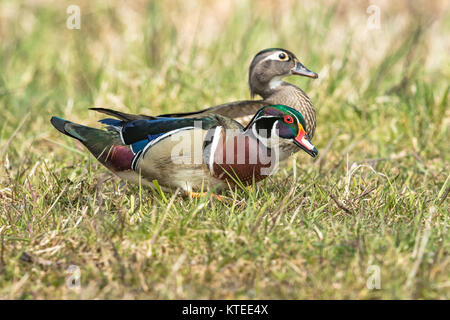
<point x="288" y="119"/>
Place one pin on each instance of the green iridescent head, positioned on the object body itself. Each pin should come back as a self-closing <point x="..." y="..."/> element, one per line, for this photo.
<point x="285" y="122"/>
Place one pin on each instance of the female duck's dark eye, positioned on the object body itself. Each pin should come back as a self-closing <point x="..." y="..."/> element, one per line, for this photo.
<point x="282" y="56"/>
<point x="288" y="119"/>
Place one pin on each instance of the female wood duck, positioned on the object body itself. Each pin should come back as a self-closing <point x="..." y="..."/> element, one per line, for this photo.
<point x="267" y="70"/>
<point x="193" y="154"/>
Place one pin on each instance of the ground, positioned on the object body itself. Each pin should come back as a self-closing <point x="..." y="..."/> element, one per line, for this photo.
<point x="368" y="219"/>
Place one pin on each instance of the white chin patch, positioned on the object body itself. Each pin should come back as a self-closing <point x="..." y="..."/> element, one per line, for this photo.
<point x="275" y="82"/>
<point x="306" y="143"/>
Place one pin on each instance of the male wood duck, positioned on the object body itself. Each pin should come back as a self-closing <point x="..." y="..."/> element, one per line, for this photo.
<point x="198" y="153"/>
<point x="266" y="73"/>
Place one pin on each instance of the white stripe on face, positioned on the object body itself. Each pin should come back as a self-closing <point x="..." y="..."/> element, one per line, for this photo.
<point x="266" y="141"/>
<point x="275" y="56"/>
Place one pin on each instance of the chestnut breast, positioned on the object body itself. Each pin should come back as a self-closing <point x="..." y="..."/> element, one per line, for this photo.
<point x="243" y="157"/>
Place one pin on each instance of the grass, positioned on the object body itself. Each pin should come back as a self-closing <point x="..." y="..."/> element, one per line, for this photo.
<point x="377" y="196"/>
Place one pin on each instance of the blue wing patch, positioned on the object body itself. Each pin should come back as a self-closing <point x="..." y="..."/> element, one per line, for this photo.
<point x="112" y="122"/>
<point x="140" y="145"/>
<point x="124" y="125"/>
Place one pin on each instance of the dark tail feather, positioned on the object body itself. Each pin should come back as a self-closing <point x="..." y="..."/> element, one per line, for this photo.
<point x="60" y="125"/>
<point x="122" y="115"/>
<point x="96" y="140"/>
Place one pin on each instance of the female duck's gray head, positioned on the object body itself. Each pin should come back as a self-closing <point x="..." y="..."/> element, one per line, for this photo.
<point x="270" y="66"/>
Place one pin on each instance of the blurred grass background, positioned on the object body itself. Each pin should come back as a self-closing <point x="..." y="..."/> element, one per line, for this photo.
<point x="376" y="196"/>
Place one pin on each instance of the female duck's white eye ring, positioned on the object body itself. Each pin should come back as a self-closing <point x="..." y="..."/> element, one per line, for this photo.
<point x="283" y="56"/>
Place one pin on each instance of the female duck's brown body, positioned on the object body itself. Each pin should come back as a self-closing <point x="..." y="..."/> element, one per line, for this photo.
<point x="286" y="94"/>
